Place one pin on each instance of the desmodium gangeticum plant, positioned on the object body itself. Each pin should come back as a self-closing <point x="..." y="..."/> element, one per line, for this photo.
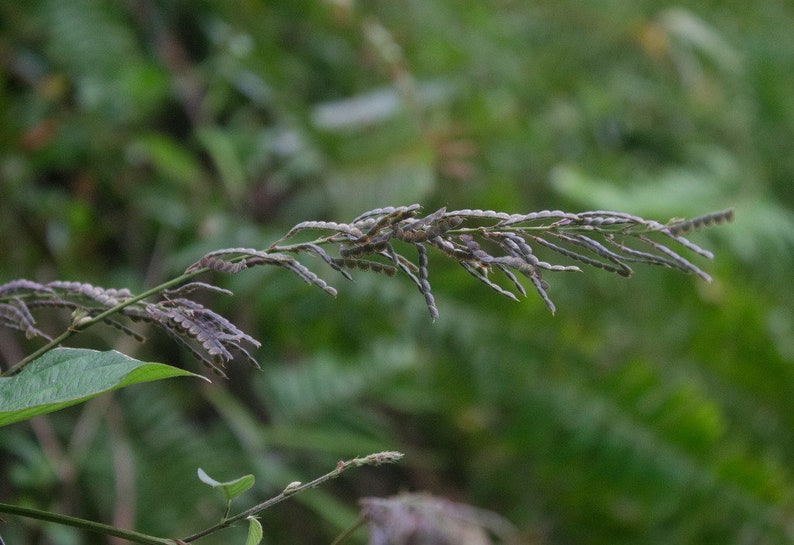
<point x="499" y="249"/>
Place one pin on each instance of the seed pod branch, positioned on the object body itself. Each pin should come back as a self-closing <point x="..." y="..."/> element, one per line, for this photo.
<point x="494" y="247"/>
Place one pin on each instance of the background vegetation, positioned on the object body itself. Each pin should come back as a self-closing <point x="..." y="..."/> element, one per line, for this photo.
<point x="137" y="135"/>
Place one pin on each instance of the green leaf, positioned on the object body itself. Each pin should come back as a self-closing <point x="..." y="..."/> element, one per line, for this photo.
<point x="254" y="532"/>
<point x="221" y="148"/>
<point x="169" y="158"/>
<point x="230" y="489"/>
<point x="67" y="376"/>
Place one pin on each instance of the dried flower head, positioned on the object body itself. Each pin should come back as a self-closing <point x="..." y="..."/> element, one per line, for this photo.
<point x="488" y="244"/>
<point x="498" y="249"/>
<point x="420" y="518"/>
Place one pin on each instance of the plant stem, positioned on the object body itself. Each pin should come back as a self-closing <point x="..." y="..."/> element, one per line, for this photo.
<point x="295" y="488"/>
<point x="360" y="521"/>
<point x="91" y="526"/>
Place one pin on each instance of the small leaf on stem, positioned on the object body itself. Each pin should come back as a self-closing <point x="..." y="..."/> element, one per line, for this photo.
<point x="229" y="489"/>
<point x="254" y="531"/>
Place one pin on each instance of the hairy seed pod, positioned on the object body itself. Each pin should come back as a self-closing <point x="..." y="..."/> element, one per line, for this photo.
<point x="481" y="214"/>
<point x="217" y="264"/>
<point x="362" y="249"/>
<point x="541" y="287"/>
<point x="389" y="219"/>
<point x="193" y="286"/>
<point x="23" y="285"/>
<point x="687" y="226"/>
<point x="622" y="269"/>
<point x="598" y="249"/>
<point x="386" y="210"/>
<point x="413" y="235"/>
<point x="678" y="262"/>
<point x="16" y="315"/>
<point x="345" y="228"/>
<point x="424" y="284"/>
<point x="480" y="273"/>
<point x="509" y="274"/>
<point x="427" y="220"/>
<point x="514" y="219"/>
<point x="365" y="265"/>
<point x="475" y="249"/>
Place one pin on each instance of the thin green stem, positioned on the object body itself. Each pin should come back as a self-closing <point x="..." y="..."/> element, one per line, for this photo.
<point x="295" y="488"/>
<point x="41" y="350"/>
<point x="360" y="521"/>
<point x="88" y="525"/>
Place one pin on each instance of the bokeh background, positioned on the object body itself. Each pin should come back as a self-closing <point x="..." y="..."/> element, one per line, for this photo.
<point x="136" y="135"/>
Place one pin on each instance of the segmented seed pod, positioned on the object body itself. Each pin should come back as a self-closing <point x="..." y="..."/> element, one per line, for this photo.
<point x="706" y="220"/>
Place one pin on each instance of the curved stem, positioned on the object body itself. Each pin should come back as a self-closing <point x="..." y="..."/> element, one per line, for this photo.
<point x="360" y="521"/>
<point x="41" y="350"/>
<point x="294" y="488"/>
<point x="89" y="525"/>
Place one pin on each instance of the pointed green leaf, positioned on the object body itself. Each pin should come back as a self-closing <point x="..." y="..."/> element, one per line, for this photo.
<point x="230" y="489"/>
<point x="67" y="376"/>
<point x="206" y="479"/>
<point x="254" y="532"/>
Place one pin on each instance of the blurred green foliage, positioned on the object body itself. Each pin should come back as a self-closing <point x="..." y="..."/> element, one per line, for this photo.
<point x="135" y="136"/>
